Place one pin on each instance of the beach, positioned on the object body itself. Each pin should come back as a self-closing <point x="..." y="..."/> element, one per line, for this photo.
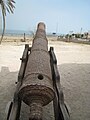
<point x="73" y="61"/>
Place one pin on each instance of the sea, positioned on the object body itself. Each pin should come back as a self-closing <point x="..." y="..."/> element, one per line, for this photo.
<point x="16" y="33"/>
<point x="21" y="33"/>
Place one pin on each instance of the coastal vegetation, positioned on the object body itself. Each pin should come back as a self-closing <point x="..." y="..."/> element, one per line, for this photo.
<point x="6" y="6"/>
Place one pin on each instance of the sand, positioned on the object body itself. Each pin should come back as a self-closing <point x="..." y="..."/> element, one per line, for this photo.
<point x="74" y="68"/>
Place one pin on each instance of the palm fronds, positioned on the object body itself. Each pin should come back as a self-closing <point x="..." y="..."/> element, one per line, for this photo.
<point x="6" y="5"/>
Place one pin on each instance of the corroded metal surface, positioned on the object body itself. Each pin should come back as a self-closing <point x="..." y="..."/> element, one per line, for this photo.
<point x="37" y="87"/>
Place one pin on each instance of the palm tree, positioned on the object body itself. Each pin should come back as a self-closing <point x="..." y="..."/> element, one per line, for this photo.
<point x="6" y="5"/>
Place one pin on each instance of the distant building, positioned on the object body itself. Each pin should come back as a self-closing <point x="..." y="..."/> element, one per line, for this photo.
<point x="89" y="34"/>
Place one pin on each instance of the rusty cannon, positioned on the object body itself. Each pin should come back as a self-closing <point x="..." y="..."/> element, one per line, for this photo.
<point x="38" y="81"/>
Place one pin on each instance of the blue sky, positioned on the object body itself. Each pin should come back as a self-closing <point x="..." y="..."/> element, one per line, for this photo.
<point x="60" y="16"/>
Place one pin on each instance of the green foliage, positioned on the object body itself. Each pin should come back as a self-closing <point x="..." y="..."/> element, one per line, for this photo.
<point x="67" y="36"/>
<point x="78" y="35"/>
<point x="82" y="35"/>
<point x="6" y="5"/>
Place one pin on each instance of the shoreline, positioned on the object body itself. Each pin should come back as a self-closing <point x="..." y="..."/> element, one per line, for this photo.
<point x="19" y="40"/>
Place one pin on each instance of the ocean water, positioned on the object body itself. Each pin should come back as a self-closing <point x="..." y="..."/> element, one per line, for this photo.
<point x="16" y="33"/>
<point x="21" y="33"/>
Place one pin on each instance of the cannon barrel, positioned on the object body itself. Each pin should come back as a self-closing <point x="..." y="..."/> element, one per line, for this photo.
<point x="37" y="85"/>
<point x="38" y="81"/>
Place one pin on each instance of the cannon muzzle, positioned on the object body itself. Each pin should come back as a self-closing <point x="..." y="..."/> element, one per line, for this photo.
<point x="37" y="87"/>
<point x="38" y="81"/>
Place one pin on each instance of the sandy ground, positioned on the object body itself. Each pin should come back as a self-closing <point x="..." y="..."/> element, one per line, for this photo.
<point x="74" y="67"/>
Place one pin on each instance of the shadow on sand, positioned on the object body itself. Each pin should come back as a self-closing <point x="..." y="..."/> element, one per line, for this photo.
<point x="75" y="81"/>
<point x="7" y="89"/>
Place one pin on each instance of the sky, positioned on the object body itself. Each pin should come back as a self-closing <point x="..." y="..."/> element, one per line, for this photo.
<point x="60" y="16"/>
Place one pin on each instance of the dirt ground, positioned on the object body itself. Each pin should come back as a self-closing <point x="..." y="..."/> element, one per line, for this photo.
<point x="73" y="65"/>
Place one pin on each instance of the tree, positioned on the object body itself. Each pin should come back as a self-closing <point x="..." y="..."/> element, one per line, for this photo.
<point x="6" y="5"/>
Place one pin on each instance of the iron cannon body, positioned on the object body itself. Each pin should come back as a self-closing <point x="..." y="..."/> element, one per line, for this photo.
<point x="38" y="81"/>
